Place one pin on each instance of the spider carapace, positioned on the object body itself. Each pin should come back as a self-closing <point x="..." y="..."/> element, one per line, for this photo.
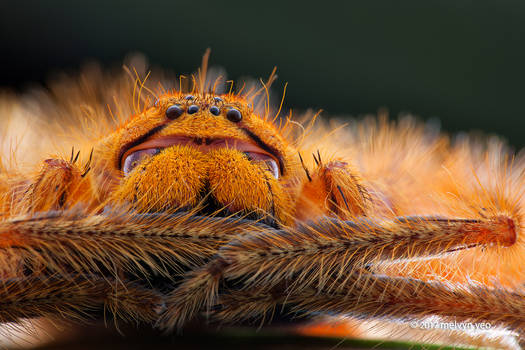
<point x="238" y="214"/>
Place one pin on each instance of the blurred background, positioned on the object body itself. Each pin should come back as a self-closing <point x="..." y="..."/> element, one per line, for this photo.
<point x="456" y="60"/>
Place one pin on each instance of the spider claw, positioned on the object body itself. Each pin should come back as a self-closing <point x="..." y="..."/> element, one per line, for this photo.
<point x="85" y="172"/>
<point x="76" y="157"/>
<point x="344" y="198"/>
<point x="305" y="168"/>
<point x="315" y="159"/>
<point x="88" y="164"/>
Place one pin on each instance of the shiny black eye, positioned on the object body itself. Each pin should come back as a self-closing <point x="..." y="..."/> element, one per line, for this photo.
<point x="189" y="97"/>
<point x="215" y="110"/>
<point x="234" y="115"/>
<point x="173" y="112"/>
<point x="217" y="99"/>
<point x="193" y="109"/>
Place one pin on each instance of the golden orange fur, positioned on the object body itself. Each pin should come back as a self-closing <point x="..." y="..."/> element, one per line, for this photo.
<point x="240" y="216"/>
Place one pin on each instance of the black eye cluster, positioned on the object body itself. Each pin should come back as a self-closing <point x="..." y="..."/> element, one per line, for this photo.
<point x="176" y="110"/>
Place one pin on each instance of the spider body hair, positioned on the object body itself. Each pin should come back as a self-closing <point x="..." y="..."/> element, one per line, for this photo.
<point x="387" y="220"/>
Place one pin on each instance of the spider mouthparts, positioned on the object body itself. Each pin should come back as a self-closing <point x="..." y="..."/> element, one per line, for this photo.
<point x="202" y="141"/>
<point x="150" y="148"/>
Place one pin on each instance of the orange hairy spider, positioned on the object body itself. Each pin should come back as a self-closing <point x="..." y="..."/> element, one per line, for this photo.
<point x="196" y="202"/>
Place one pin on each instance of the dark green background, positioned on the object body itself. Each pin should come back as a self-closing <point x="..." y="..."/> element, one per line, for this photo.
<point x="460" y="61"/>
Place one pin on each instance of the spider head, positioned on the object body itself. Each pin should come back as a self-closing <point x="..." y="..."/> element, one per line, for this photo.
<point x="205" y="152"/>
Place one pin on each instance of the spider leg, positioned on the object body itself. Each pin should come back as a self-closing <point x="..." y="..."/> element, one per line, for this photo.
<point x="77" y="297"/>
<point x="59" y="184"/>
<point x="334" y="189"/>
<point x="398" y="298"/>
<point x="111" y="248"/>
<point x="165" y="244"/>
<point x="325" y="255"/>
<point x="368" y="296"/>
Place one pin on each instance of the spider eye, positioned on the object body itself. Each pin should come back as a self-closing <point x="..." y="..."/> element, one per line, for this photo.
<point x="215" y="110"/>
<point x="269" y="162"/>
<point x="136" y="158"/>
<point x="193" y="109"/>
<point x="234" y="115"/>
<point x="173" y="112"/>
